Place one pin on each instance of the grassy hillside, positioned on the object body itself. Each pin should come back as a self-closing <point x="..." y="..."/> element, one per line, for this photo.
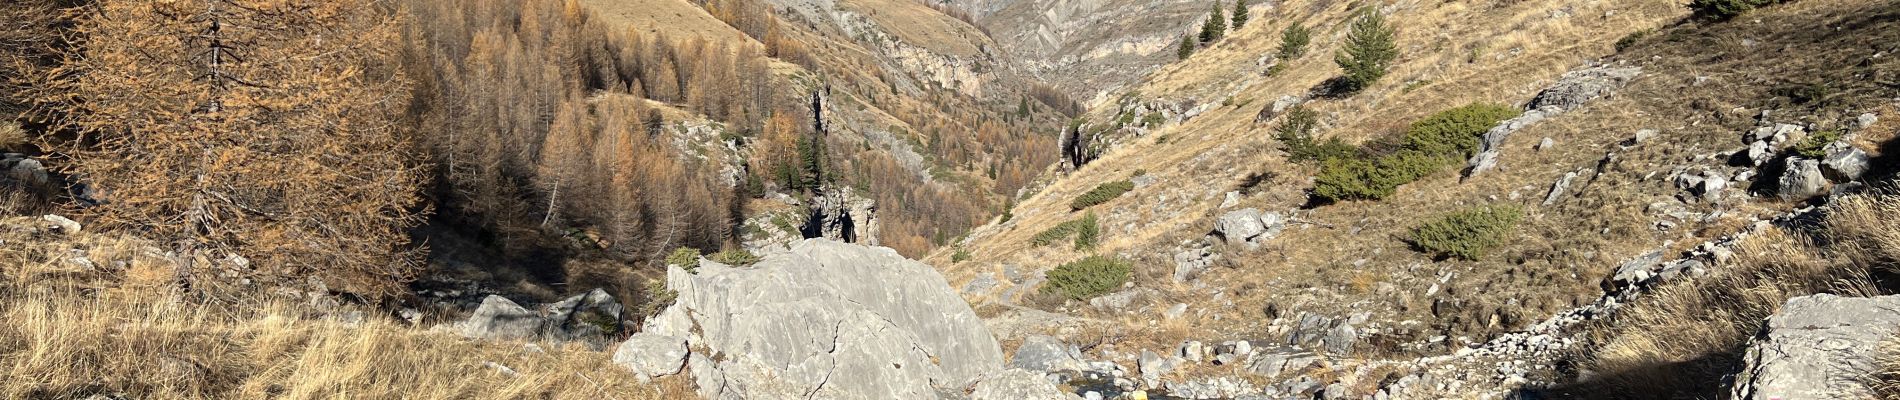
<point x="1702" y="84"/>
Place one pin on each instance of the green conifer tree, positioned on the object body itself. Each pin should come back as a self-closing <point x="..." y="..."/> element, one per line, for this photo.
<point x="1369" y="51"/>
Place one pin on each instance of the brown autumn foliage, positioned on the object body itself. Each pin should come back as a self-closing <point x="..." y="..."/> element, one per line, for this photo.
<point x="534" y="113"/>
<point x="261" y="128"/>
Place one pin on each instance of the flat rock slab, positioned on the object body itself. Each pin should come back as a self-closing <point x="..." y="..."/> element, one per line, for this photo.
<point x="1818" y="347"/>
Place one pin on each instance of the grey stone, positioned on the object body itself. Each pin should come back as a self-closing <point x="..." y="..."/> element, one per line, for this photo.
<point x="29" y="171"/>
<point x="1866" y="120"/>
<point x="1492" y="142"/>
<point x="1844" y="162"/>
<point x="501" y="319"/>
<point x="1817" y="347"/>
<point x="838" y="213"/>
<point x="652" y="355"/>
<point x="1340" y="339"/>
<point x="1759" y="153"/>
<point x="1802" y="179"/>
<point x="1047" y="354"/>
<point x="1232" y="199"/>
<point x="1705" y="185"/>
<point x="1546" y="144"/>
<point x="1274" y="362"/>
<point x="1016" y="384"/>
<point x="1644" y="136"/>
<point x="60" y="225"/>
<point x="982" y="285"/>
<point x="1188" y="264"/>
<point x="827" y="319"/>
<point x="1581" y="86"/>
<point x="1191" y="350"/>
<point x="1143" y="180"/>
<point x="1637" y="270"/>
<point x="1240" y="226"/>
<point x="1176" y="311"/>
<point x="593" y="316"/>
<point x="1557" y="189"/>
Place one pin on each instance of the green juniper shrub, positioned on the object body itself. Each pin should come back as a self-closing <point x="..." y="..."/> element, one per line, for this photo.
<point x="1467" y="234"/>
<point x="735" y="257"/>
<point x="960" y="255"/>
<point x="1345" y="179"/>
<point x="1055" y="234"/>
<point x="1725" y="9"/>
<point x="1630" y="40"/>
<point x="1455" y="132"/>
<point x="1369" y="51"/>
<point x="1101" y="194"/>
<point x="1815" y="145"/>
<point x="1295" y="134"/>
<point x="1087" y="232"/>
<point x="1086" y="278"/>
<point x="686" y="258"/>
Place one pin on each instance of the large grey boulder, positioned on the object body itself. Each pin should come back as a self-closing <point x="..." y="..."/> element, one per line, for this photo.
<point x="501" y="319"/>
<point x="1017" y="384"/>
<point x="1817" y="347"/>
<point x="826" y="319"/>
<point x="1801" y="179"/>
<point x="652" y="355"/>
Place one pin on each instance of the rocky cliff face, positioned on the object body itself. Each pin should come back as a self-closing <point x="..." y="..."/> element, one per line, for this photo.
<point x="1090" y="47"/>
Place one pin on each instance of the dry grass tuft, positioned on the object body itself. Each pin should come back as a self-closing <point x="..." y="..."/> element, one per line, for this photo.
<point x="115" y="326"/>
<point x="1886" y="381"/>
<point x="1690" y="334"/>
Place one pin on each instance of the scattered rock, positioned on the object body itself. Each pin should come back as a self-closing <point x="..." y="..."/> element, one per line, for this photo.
<point x="1546" y="144"/>
<point x="1637" y="270"/>
<point x="1274" y="362"/>
<point x="1802" y="179"/>
<point x="1643" y="136"/>
<point x="1759" y="153"/>
<point x="1581" y="86"/>
<point x="1706" y="185"/>
<point x="60" y="225"/>
<point x="1866" y="120"/>
<point x="1249" y="226"/>
<point x="1844" y="162"/>
<point x="1043" y="353"/>
<point x="1189" y="263"/>
<point x="652" y="355"/>
<point x="1016" y="384"/>
<point x="593" y="316"/>
<point x="1817" y="347"/>
<point x="501" y="319"/>
<point x="1557" y="189"/>
<point x="1191" y="350"/>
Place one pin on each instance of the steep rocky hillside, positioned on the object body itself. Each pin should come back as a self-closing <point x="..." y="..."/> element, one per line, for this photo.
<point x="1638" y="153"/>
<point x="1090" y="48"/>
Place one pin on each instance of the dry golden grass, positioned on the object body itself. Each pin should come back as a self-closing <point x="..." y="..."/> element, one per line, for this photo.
<point x="1886" y="381"/>
<point x="118" y="328"/>
<point x="1689" y="334"/>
